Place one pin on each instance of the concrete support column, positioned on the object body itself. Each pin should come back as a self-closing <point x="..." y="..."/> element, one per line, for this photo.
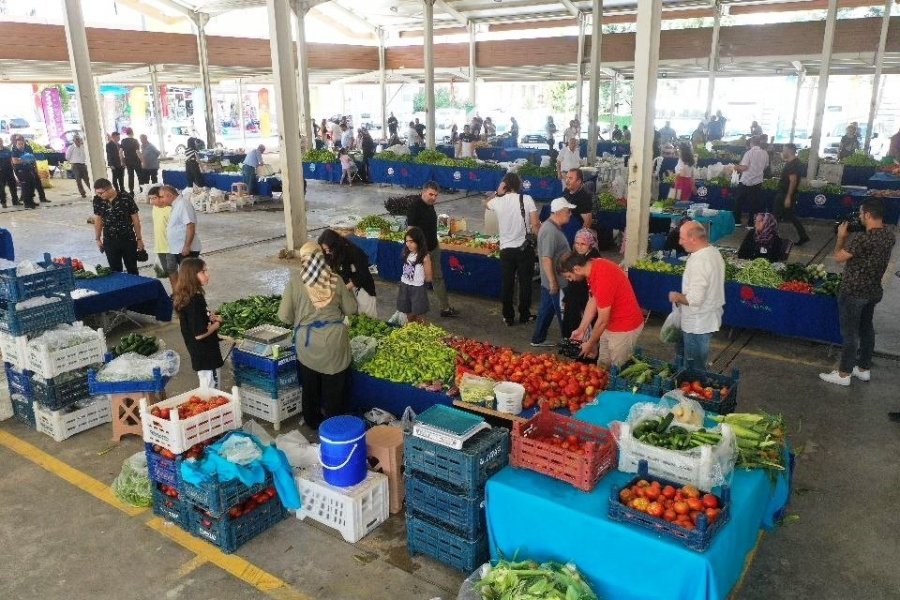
<point x="800" y="75"/>
<point x="200" y="22"/>
<point x="157" y="110"/>
<point x="243" y="125"/>
<point x="640" y="165"/>
<point x="579" y="78"/>
<point x="614" y="83"/>
<point x="824" y="69"/>
<point x="713" y="58"/>
<point x="876" y="80"/>
<point x="472" y="55"/>
<point x="300" y="10"/>
<point x="382" y="83"/>
<point x="430" y="120"/>
<point x="594" y="96"/>
<point x="85" y="87"/>
<point x="288" y="111"/>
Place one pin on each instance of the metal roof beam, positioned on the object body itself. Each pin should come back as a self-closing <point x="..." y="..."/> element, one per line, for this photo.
<point x="461" y="18"/>
<point x="573" y="10"/>
<point x="130" y="73"/>
<point x="177" y="6"/>
<point x="352" y="15"/>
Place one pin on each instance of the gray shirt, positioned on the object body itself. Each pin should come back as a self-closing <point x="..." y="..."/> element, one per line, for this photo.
<point x="551" y="243"/>
<point x="149" y="156"/>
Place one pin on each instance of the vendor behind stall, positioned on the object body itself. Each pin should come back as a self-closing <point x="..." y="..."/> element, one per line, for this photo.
<point x="762" y="241"/>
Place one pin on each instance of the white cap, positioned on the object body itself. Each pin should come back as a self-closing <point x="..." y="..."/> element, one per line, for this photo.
<point x="559" y="204"/>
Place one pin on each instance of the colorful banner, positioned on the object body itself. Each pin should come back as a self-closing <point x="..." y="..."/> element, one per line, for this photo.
<point x="51" y="105"/>
<point x="164" y="100"/>
<point x="265" y="123"/>
<point x="137" y="100"/>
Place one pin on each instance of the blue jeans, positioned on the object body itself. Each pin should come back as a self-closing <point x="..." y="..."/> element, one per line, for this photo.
<point x="248" y="173"/>
<point x="693" y="352"/>
<point x="858" y="332"/>
<point x="548" y="307"/>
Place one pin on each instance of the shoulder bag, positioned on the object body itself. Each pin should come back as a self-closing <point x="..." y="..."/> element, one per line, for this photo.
<point x="530" y="237"/>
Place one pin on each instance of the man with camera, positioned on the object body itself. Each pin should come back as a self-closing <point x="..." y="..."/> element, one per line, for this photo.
<point x="865" y="259"/>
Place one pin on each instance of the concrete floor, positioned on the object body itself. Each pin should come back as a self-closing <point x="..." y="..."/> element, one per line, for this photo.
<point x="56" y="541"/>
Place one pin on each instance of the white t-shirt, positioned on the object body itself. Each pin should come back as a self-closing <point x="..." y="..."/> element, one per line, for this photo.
<point x="757" y="160"/>
<point x="683" y="170"/>
<point x="182" y="214"/>
<point x="704" y="285"/>
<point x="509" y="218"/>
<point x="569" y="132"/>
<point x="76" y="154"/>
<point x="413" y="274"/>
<point x="569" y="159"/>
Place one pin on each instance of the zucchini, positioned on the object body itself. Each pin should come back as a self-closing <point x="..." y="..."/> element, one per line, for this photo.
<point x="664" y="424"/>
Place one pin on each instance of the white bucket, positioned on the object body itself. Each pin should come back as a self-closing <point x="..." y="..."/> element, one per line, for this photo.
<point x="509" y="397"/>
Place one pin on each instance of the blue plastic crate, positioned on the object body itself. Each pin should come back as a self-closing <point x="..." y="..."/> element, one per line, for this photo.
<point x="698" y="539"/>
<point x="162" y="469"/>
<point x="433" y="499"/>
<point x="267" y="365"/>
<point x="464" y="470"/>
<point x="657" y="387"/>
<point x="39" y="318"/>
<point x="18" y="382"/>
<point x="23" y="410"/>
<point x="61" y="391"/>
<point x="96" y="388"/>
<point x="172" y="509"/>
<point x="217" y="497"/>
<point x="228" y="533"/>
<point x="426" y="537"/>
<point x="54" y="279"/>
<point x="717" y="403"/>
<point x="287" y="379"/>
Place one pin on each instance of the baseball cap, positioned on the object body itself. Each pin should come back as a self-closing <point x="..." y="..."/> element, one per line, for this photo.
<point x="559" y="204"/>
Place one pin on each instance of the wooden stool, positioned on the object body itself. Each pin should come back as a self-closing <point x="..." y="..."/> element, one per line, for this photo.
<point x="240" y="189"/>
<point x="385" y="443"/>
<point x="126" y="415"/>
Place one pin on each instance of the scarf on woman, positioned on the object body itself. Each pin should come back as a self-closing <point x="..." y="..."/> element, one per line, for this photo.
<point x="588" y="237"/>
<point x="316" y="275"/>
<point x="769" y="229"/>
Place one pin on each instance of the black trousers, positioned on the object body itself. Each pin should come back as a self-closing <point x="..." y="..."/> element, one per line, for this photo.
<point x="80" y="171"/>
<point x="26" y="180"/>
<point x="324" y="396"/>
<point x="119" y="252"/>
<point x="516" y="263"/>
<point x="146" y="176"/>
<point x="7" y="179"/>
<point x="38" y="186"/>
<point x="749" y="197"/>
<point x="788" y="214"/>
<point x="193" y="173"/>
<point x="132" y="171"/>
<point x="118" y="178"/>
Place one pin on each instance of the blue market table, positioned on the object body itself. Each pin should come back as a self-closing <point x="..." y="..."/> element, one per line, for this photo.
<point x="121" y="291"/>
<point x="221" y="181"/>
<point x="7" y="250"/>
<point x="406" y="174"/>
<point x="884" y="181"/>
<point x="533" y="516"/>
<point x="369" y="392"/>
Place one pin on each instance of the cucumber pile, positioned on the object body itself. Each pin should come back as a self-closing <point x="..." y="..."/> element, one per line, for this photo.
<point x="135" y="342"/>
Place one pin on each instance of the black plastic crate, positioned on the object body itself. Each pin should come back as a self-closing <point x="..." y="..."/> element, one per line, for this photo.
<point x="169" y="508"/>
<point x="465" y="470"/>
<point x="61" y="391"/>
<point x="217" y="497"/>
<point x="717" y="403"/>
<point x="230" y="533"/>
<point x="435" y="500"/>
<point x="657" y="386"/>
<point x="428" y="538"/>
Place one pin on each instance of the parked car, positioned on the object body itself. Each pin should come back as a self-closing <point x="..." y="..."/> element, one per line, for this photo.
<point x="177" y="137"/>
<point x="17" y="125"/>
<point x="530" y="140"/>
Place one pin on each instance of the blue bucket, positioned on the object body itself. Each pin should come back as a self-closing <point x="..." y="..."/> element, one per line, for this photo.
<point x="342" y="450"/>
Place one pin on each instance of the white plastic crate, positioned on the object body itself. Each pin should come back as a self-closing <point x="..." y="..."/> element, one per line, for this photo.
<point x="258" y="403"/>
<point x="13" y="350"/>
<point x="63" y="424"/>
<point x="48" y="364"/>
<point x="177" y="434"/>
<point x="6" y="409"/>
<point x="705" y="470"/>
<point x="354" y="511"/>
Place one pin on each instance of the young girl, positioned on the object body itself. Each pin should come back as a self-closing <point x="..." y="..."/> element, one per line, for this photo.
<point x="412" y="298"/>
<point x="198" y="325"/>
<point x="684" y="173"/>
<point x="347" y="167"/>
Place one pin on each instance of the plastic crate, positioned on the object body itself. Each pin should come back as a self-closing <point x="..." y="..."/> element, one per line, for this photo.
<point x="96" y="387"/>
<point x="63" y="424"/>
<point x="176" y="434"/>
<point x="717" y="403"/>
<point x="269" y="366"/>
<point x="59" y="392"/>
<point x="438" y="502"/>
<point x="228" y="533"/>
<point x="23" y="410"/>
<point x="428" y="538"/>
<point x="172" y="509"/>
<point x="13" y="349"/>
<point x="464" y="470"/>
<point x="353" y="511"/>
<point x="286" y="380"/>
<point x="18" y="381"/>
<point x="698" y="539"/>
<point x="259" y="403"/>
<point x="216" y="497"/>
<point x="655" y="387"/>
<point x="54" y="279"/>
<point x="38" y="318"/>
<point x="531" y="451"/>
<point x="162" y="469"/>
<point x="50" y="363"/>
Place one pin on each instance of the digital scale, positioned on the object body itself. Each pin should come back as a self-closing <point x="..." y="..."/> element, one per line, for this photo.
<point x="447" y="426"/>
<point x="264" y="339"/>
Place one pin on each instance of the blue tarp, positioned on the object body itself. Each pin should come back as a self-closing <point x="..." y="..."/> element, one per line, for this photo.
<point x="461" y="178"/>
<point x="119" y="291"/>
<point x="405" y="174"/>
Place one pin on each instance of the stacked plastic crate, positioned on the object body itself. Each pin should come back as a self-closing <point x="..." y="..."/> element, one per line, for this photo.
<point x="46" y="353"/>
<point x="445" y="516"/>
<point x="266" y="369"/>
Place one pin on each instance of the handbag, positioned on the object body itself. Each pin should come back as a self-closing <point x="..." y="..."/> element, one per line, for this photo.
<point x="530" y="243"/>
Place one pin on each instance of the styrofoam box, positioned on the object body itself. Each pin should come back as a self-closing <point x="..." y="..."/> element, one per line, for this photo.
<point x="177" y="434"/>
<point x="50" y="363"/>
<point x="63" y="424"/>
<point x="258" y="403"/>
<point x="353" y="511"/>
<point x="13" y="349"/>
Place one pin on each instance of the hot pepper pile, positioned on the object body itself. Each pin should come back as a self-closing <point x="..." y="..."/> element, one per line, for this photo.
<point x="413" y="354"/>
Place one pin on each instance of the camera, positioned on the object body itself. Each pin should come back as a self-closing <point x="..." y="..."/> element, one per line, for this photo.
<point x="854" y="225"/>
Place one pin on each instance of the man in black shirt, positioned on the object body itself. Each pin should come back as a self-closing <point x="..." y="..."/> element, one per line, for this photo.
<point x="7" y="179"/>
<point x="114" y="161"/>
<point x="787" y="191"/>
<point x="420" y="129"/>
<point x="368" y="150"/>
<point x="392" y="124"/>
<point x="117" y="227"/>
<point x="577" y="195"/>
<point x="422" y="215"/>
<point x="131" y="150"/>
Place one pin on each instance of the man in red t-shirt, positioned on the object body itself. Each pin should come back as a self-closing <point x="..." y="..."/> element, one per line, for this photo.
<point x="613" y="308"/>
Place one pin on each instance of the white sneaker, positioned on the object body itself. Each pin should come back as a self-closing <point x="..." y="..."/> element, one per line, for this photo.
<point x="862" y="375"/>
<point x="835" y="378"/>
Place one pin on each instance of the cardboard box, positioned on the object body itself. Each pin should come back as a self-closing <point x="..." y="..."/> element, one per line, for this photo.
<point x="385" y="443"/>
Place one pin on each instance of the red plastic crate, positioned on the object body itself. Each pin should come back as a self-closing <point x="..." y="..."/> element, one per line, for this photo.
<point x="530" y="451"/>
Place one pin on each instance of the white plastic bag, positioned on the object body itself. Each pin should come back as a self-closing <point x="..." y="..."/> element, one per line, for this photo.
<point x="408" y="419"/>
<point x="735" y="178"/>
<point x="670" y="333"/>
<point x="362" y="348"/>
<point x="398" y="318"/>
<point x="240" y="450"/>
<point x="255" y="429"/>
<point x="299" y="452"/>
<point x="132" y="485"/>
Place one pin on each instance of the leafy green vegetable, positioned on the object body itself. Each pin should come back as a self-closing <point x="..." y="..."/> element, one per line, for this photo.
<point x="430" y="157"/>
<point x="392" y="156"/>
<point x="366" y="325"/>
<point x="532" y="170"/>
<point x="319" y="156"/>
<point x="759" y="272"/>
<point x="608" y="201"/>
<point x="247" y="313"/>
<point x="528" y="580"/>
<point x="374" y="222"/>
<point x="860" y="159"/>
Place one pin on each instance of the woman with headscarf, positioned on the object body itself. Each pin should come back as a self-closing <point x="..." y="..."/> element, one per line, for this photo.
<point x="576" y="296"/>
<point x="762" y="241"/>
<point x="315" y="304"/>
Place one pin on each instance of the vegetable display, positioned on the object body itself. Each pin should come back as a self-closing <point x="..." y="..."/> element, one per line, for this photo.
<point x="663" y="434"/>
<point x="250" y="504"/>
<point x="136" y="342"/>
<point x="247" y="313"/>
<point x="700" y="390"/>
<point x="195" y="405"/>
<point x="771" y="183"/>
<point x="860" y="159"/>
<point x="800" y="287"/>
<point x="760" y="439"/>
<point x="374" y="222"/>
<point x="319" y="156"/>
<point x="608" y="201"/>
<point x="532" y="170"/>
<point x="681" y="506"/>
<point x="367" y="326"/>
<point x="413" y="354"/>
<point x="528" y="580"/>
<point x="80" y="272"/>
<point x="430" y="157"/>
<point x="759" y="272"/>
<point x="639" y="372"/>
<point x="658" y="266"/>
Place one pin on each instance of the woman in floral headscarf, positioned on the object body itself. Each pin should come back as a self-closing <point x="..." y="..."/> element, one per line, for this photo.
<point x="576" y="295"/>
<point x="315" y="303"/>
<point x="762" y="241"/>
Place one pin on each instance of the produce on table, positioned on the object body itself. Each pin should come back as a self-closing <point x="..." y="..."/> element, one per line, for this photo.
<point x="760" y="439"/>
<point x="399" y="205"/>
<point x="430" y="157"/>
<point x="367" y="326"/>
<point x="527" y="580"/>
<point x="231" y="168"/>
<point x="816" y="271"/>
<point x="771" y="183"/>
<point x="701" y="391"/>
<point x="892" y="169"/>
<point x="194" y="406"/>
<point x="374" y="222"/>
<point x="77" y="265"/>
<point x="681" y="506"/>
<point x="639" y="372"/>
<point x="250" y="504"/>
<point x="884" y="193"/>
<point x="608" y="201"/>
<point x="860" y="159"/>
<point x="319" y="156"/>
<point x="476" y="390"/>
<point x="828" y="188"/>
<point x="663" y="434"/>
<point x="136" y="342"/>
<point x="719" y="180"/>
<point x="658" y="266"/>
<point x="80" y="272"/>
<point x="831" y="286"/>
<point x="394" y="157"/>
<point x="759" y="272"/>
<point x="489" y="244"/>
<point x="247" y="313"/>
<point x="413" y="354"/>
<point x="532" y="170"/>
<point x="801" y="287"/>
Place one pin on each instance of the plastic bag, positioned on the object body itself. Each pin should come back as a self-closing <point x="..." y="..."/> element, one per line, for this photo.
<point x="254" y="428"/>
<point x="670" y="333"/>
<point x="240" y="450"/>
<point x="134" y="367"/>
<point x="735" y="178"/>
<point x="132" y="485"/>
<point x="398" y="318"/>
<point x="363" y="348"/>
<point x="476" y="390"/>
<point x="64" y="336"/>
<point x="408" y="419"/>
<point x="468" y="591"/>
<point x="714" y="170"/>
<point x="299" y="452"/>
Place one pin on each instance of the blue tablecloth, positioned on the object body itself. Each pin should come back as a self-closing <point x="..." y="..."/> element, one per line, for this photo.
<point x="52" y="158"/>
<point x="533" y="516"/>
<point x="323" y="171"/>
<point x="884" y="181"/>
<point x="119" y="291"/>
<point x="511" y="154"/>
<point x="461" y="178"/>
<point x="221" y="181"/>
<point x="446" y="149"/>
<point x="542" y="188"/>
<point x="613" y="219"/>
<point x="405" y="174"/>
<point x="721" y="225"/>
<point x="808" y="316"/>
<point x="368" y="392"/>
<point x="857" y="175"/>
<point x="614" y="148"/>
<point x="7" y="250"/>
<point x="508" y="142"/>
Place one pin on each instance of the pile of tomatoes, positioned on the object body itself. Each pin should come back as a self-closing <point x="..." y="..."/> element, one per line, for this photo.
<point x="77" y="265"/>
<point x="195" y="451"/>
<point x="168" y="490"/>
<point x="572" y="443"/>
<point x="681" y="506"/>
<point x="696" y="389"/>
<point x="251" y="503"/>
<point x="194" y="406"/>
<point x="547" y="379"/>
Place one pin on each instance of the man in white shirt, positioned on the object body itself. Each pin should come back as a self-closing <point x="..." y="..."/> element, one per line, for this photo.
<point x="346" y="137"/>
<point x="752" y="167"/>
<point x="77" y="157"/>
<point x="570" y="132"/>
<point x="701" y="298"/>
<point x="569" y="158"/>
<point x="516" y="257"/>
<point x="253" y="159"/>
<point x="182" y="229"/>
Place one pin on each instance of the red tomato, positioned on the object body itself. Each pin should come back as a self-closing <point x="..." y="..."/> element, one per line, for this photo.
<point x="668" y="491"/>
<point x="670" y="515"/>
<point x="710" y="501"/>
<point x="695" y="504"/>
<point x="681" y="508"/>
<point x="712" y="514"/>
<point x="651" y="493"/>
<point x="655" y="509"/>
<point x="690" y="491"/>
